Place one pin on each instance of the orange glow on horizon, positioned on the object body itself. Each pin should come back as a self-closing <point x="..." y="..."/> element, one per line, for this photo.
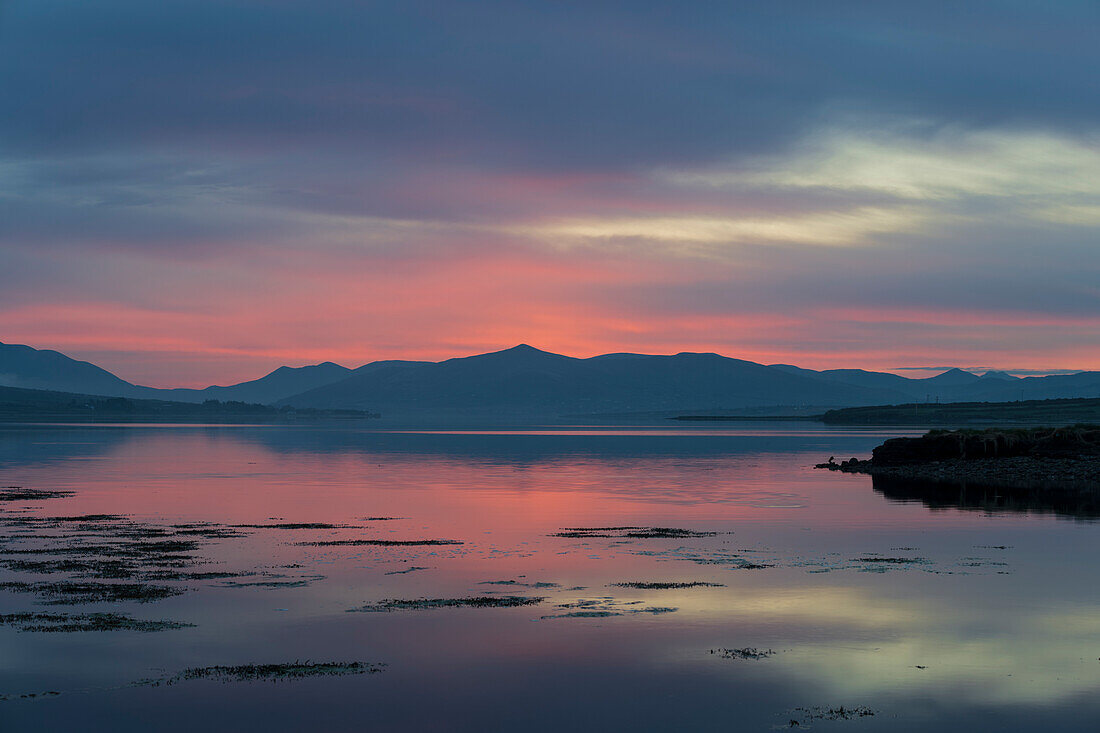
<point x="305" y="308"/>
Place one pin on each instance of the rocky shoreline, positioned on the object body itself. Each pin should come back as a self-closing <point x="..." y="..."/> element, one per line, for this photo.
<point x="1040" y="460"/>
<point x="1010" y="472"/>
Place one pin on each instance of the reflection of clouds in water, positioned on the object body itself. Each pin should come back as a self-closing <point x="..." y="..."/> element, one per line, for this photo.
<point x="1040" y="669"/>
<point x="837" y="607"/>
<point x="877" y="645"/>
<point x="1080" y="619"/>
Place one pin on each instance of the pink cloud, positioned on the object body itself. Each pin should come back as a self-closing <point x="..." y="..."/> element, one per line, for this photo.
<point x="240" y="327"/>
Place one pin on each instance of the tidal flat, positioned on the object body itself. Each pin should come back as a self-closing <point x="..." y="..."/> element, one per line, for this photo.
<point x="536" y="579"/>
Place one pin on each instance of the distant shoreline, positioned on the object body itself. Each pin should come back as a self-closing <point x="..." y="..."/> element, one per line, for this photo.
<point x="747" y="418"/>
<point x="27" y="405"/>
<point x="1026" y="412"/>
<point x="173" y="419"/>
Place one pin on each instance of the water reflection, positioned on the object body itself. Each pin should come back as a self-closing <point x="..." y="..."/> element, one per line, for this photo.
<point x="1080" y="502"/>
<point x="949" y="619"/>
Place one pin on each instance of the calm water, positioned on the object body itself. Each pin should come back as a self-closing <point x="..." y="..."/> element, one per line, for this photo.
<point x="935" y="619"/>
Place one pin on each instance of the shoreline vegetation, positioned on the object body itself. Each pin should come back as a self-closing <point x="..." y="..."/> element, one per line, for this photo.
<point x="1023" y="469"/>
<point x="1024" y="412"/>
<point x="22" y="405"/>
<point x="1034" y="412"/>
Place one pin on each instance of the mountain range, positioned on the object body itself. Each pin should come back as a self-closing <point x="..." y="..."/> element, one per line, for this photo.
<point x="525" y="382"/>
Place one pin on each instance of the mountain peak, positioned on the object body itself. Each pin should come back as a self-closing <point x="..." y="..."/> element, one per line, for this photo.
<point x="954" y="376"/>
<point x="524" y="354"/>
<point x="1004" y="376"/>
<point x="521" y="350"/>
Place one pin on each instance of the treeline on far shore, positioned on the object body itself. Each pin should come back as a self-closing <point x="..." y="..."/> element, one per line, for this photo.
<point x="33" y="405"/>
<point x="1033" y="412"/>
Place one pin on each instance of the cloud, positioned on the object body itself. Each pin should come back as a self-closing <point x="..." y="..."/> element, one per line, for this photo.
<point x="830" y="185"/>
<point x="769" y="266"/>
<point x="841" y="228"/>
<point x="924" y="162"/>
<point x="551" y="85"/>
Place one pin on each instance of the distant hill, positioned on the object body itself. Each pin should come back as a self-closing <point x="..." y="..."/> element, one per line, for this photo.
<point x="282" y="382"/>
<point x="1058" y="386"/>
<point x="23" y="366"/>
<point x="29" y="368"/>
<point x="957" y="385"/>
<point x="48" y="405"/>
<point x="857" y="377"/>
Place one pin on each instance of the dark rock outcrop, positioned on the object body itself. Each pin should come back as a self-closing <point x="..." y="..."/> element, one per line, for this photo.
<point x="1043" y="459"/>
<point x="942" y="445"/>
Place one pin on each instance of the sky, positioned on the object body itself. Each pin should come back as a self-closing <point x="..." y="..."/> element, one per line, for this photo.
<point x="198" y="192"/>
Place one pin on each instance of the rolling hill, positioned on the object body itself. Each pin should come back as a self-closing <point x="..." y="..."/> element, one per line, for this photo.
<point x="29" y="368"/>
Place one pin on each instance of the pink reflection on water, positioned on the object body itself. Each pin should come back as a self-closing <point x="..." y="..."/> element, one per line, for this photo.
<point x="850" y="634"/>
<point x="230" y="475"/>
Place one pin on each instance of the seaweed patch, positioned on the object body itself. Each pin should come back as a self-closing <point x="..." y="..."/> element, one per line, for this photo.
<point x="747" y="653"/>
<point x="293" y="525"/>
<point x="605" y="607"/>
<point x="273" y="581"/>
<point x="806" y="715"/>
<point x="18" y="493"/>
<point x="71" y="593"/>
<point x="413" y="569"/>
<point x="267" y="672"/>
<point x="520" y="584"/>
<point x="379" y="543"/>
<point x="667" y="586"/>
<point x="399" y="604"/>
<point x="30" y="696"/>
<point x="630" y="533"/>
<point x="72" y="622"/>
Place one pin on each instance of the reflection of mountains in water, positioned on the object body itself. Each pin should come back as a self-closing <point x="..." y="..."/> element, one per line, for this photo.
<point x="1080" y="500"/>
<point x="30" y="445"/>
<point x="22" y="445"/>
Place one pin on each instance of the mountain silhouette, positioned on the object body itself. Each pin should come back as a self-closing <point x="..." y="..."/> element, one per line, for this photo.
<point x="952" y="378"/>
<point x="857" y="377"/>
<point x="29" y="368"/>
<point x="1003" y="376"/>
<point x="525" y="382"/>
<point x="278" y="384"/>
